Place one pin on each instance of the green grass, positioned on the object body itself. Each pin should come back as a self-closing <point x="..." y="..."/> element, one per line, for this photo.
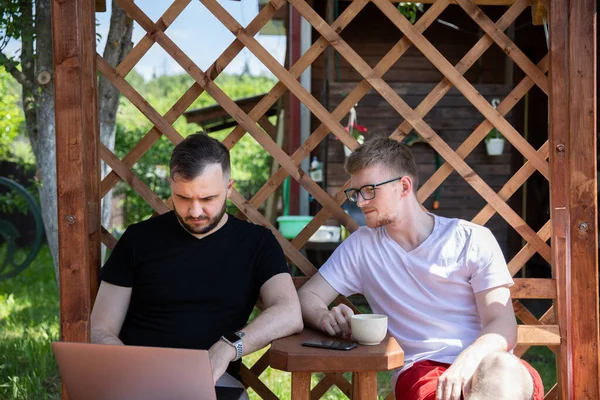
<point x="29" y="323"/>
<point x="544" y="361"/>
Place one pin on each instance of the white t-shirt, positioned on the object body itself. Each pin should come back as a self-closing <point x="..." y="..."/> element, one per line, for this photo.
<point x="427" y="293"/>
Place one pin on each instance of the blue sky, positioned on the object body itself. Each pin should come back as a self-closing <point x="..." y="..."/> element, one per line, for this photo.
<point x="200" y="35"/>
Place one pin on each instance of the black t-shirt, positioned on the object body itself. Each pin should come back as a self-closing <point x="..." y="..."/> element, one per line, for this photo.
<point x="188" y="292"/>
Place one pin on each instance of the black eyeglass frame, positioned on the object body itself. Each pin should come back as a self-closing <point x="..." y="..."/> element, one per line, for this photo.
<point x="373" y="186"/>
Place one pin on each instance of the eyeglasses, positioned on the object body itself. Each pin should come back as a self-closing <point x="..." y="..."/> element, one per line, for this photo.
<point x="367" y="191"/>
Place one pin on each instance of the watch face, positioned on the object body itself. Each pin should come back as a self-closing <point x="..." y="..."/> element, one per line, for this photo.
<point x="232" y="337"/>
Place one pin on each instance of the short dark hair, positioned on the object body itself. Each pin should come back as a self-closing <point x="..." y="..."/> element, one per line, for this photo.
<point x="384" y="152"/>
<point x="195" y="152"/>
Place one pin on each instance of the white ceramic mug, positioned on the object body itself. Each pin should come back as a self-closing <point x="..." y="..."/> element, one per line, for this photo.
<point x="369" y="329"/>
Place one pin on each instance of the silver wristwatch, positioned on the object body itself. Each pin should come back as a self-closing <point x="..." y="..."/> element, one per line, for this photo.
<point x="235" y="339"/>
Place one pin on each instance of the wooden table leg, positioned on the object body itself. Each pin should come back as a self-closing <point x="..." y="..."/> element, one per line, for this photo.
<point x="364" y="385"/>
<point x="300" y="385"/>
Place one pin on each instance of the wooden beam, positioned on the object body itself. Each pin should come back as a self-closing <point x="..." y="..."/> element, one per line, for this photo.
<point x="533" y="288"/>
<point x="72" y="87"/>
<point x="559" y="125"/>
<point x="100" y="5"/>
<point x="92" y="139"/>
<point x="73" y="48"/>
<point x="292" y="105"/>
<point x="573" y="197"/>
<point x="539" y="335"/>
<point x="582" y="197"/>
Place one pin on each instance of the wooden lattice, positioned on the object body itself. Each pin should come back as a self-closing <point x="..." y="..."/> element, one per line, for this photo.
<point x="542" y="331"/>
<point x="330" y="123"/>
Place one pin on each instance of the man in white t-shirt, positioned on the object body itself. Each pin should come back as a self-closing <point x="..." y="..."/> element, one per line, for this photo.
<point x="443" y="283"/>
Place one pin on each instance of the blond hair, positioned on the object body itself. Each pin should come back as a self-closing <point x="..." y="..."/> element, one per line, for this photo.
<point x="385" y="152"/>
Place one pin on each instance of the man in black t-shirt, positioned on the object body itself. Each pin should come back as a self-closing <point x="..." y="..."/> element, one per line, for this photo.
<point x="190" y="277"/>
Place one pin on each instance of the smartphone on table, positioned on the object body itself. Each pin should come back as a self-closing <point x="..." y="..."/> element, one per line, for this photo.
<point x="329" y="344"/>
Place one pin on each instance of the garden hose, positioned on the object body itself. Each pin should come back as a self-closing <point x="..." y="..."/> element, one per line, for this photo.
<point x="10" y="234"/>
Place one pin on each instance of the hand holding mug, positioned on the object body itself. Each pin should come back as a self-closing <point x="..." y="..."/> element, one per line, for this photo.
<point x="336" y="321"/>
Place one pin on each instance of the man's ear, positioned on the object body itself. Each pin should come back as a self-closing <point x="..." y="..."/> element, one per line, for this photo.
<point x="229" y="187"/>
<point x="407" y="185"/>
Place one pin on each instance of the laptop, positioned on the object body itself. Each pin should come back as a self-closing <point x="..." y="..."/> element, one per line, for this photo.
<point x="107" y="372"/>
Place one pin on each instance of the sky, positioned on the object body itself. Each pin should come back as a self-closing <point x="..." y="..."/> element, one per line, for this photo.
<point x="198" y="33"/>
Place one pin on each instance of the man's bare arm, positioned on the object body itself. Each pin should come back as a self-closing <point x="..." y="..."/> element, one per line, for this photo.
<point x="315" y="297"/>
<point x="108" y="314"/>
<point x="281" y="317"/>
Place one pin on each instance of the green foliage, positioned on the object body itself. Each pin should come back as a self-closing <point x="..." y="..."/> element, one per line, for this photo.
<point x="410" y="10"/>
<point x="494" y="134"/>
<point x="13" y="201"/>
<point x="28" y="324"/>
<point x="250" y="163"/>
<point x="11" y="115"/>
<point x="10" y="21"/>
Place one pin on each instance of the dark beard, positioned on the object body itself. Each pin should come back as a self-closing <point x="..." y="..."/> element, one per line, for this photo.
<point x="206" y="229"/>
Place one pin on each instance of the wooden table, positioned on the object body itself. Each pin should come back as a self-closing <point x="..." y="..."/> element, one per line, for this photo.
<point x="287" y="354"/>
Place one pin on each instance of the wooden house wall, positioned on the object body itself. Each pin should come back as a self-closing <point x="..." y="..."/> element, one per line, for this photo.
<point x="372" y="35"/>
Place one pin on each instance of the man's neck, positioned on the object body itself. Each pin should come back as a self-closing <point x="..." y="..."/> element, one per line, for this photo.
<point x="414" y="227"/>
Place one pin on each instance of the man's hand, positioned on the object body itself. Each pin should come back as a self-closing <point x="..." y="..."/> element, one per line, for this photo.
<point x="220" y="355"/>
<point x="457" y="377"/>
<point x="336" y="322"/>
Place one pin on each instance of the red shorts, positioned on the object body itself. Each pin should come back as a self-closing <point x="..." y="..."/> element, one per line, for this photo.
<point x="419" y="382"/>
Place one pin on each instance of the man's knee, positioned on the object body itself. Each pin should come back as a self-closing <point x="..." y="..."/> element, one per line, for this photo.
<point x="502" y="373"/>
<point x="500" y="362"/>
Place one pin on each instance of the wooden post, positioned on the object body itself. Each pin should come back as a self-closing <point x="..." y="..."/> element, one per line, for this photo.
<point x="73" y="27"/>
<point x="583" y="202"/>
<point x="573" y="193"/>
<point x="559" y="212"/>
<point x="91" y="141"/>
<point x="294" y="106"/>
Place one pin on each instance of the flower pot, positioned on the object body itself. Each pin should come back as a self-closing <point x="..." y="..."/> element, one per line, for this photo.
<point x="494" y="146"/>
<point x="360" y="139"/>
<point x="347" y="151"/>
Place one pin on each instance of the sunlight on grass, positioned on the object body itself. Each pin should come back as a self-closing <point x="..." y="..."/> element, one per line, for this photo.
<point x="28" y="324"/>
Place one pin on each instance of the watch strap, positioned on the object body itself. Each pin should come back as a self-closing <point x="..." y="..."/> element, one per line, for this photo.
<point x="238" y="345"/>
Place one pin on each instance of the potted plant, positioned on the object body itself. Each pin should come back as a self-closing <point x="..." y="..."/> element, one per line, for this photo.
<point x="494" y="143"/>
<point x="357" y="133"/>
<point x="355" y="129"/>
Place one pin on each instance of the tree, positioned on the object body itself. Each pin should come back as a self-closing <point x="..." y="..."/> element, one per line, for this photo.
<point x="12" y="117"/>
<point x="33" y="69"/>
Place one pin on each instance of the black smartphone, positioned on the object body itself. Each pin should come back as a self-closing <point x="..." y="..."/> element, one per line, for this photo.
<point x="330" y="344"/>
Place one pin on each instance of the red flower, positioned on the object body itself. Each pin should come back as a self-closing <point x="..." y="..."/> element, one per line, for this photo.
<point x="357" y="130"/>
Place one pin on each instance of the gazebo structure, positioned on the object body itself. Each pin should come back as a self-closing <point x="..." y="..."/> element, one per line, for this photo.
<point x="568" y="241"/>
